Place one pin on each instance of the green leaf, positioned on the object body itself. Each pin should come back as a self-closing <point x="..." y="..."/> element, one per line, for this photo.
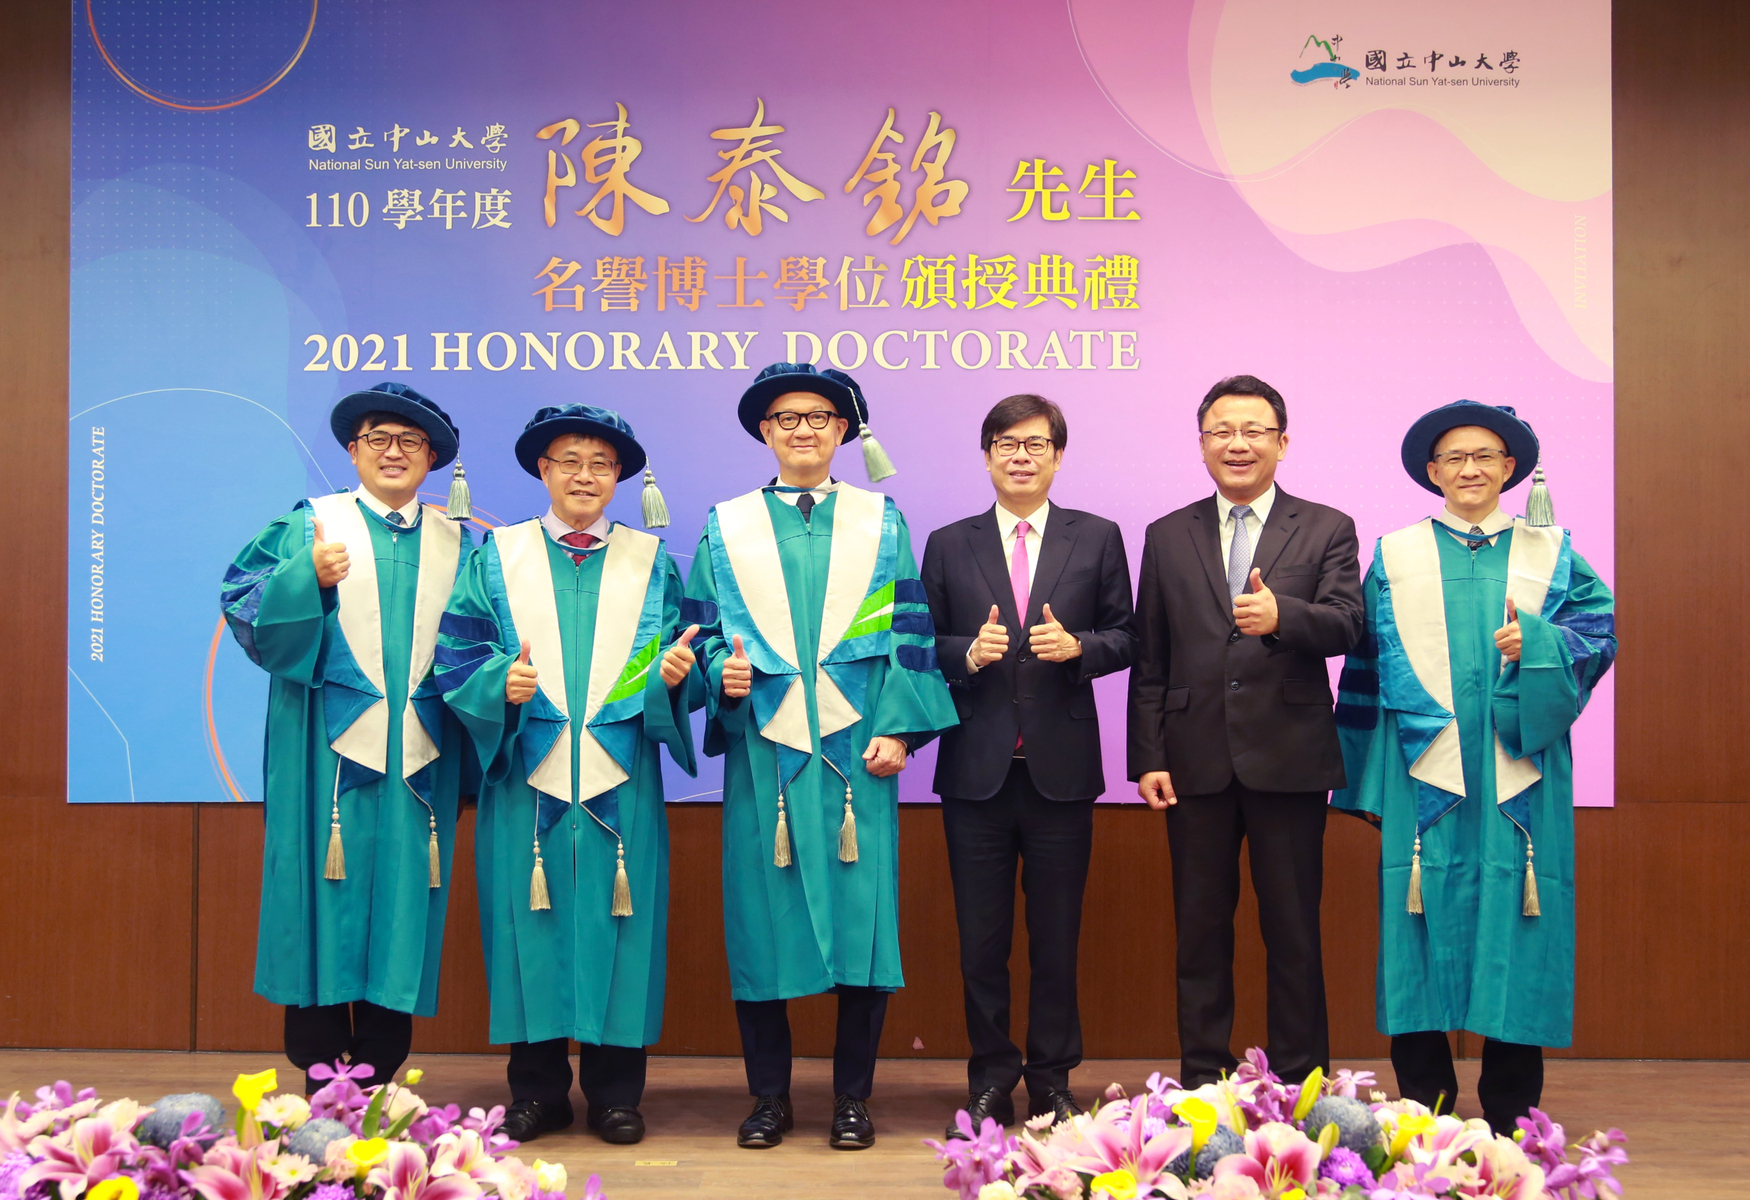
<point x="401" y="1123"/>
<point x="1375" y="1157"/>
<point x="373" y="1120"/>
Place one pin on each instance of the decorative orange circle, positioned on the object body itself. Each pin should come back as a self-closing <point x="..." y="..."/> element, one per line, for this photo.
<point x="167" y="102"/>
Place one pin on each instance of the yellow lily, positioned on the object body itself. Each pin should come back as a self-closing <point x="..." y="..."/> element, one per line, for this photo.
<point x="1309" y="1094"/>
<point x="1199" y="1114"/>
<point x="1406" y="1128"/>
<point x="1118" y="1185"/>
<point x="119" y="1188"/>
<point x="368" y="1153"/>
<point x="249" y="1089"/>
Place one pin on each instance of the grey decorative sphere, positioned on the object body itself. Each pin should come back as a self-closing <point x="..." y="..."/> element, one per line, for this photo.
<point x="1221" y="1143"/>
<point x="164" y="1126"/>
<point x="312" y="1138"/>
<point x="1357" y="1128"/>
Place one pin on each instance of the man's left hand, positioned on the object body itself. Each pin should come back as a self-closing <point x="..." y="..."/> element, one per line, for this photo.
<point x="885" y="756"/>
<point x="1051" y="641"/>
<point x="1507" y="637"/>
<point x="679" y="659"/>
<point x="1255" y="611"/>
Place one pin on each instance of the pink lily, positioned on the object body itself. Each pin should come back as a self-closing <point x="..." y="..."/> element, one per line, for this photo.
<point x="231" y="1172"/>
<point x="20" y="1124"/>
<point x="405" y="1175"/>
<point x="1504" y="1170"/>
<point x="91" y="1150"/>
<point x="1278" y="1157"/>
<point x="1116" y="1139"/>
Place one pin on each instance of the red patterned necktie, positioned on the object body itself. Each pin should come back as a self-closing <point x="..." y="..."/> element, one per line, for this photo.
<point x="584" y="543"/>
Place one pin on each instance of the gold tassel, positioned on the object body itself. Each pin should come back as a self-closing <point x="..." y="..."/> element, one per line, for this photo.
<point x="1414" y="902"/>
<point x="1530" y="907"/>
<point x="781" y="852"/>
<point x="431" y="855"/>
<point x="538" y="899"/>
<point x="848" y="832"/>
<point x="622" y="886"/>
<point x="335" y="867"/>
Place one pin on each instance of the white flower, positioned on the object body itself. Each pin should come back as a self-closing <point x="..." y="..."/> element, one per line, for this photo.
<point x="287" y="1111"/>
<point x="1042" y="1121"/>
<point x="401" y="1102"/>
<point x="550" y="1177"/>
<point x="1002" y="1189"/>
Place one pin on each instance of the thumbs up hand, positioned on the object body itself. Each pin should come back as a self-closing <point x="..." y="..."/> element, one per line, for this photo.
<point x="329" y="557"/>
<point x="737" y="672"/>
<point x="679" y="659"/>
<point x="519" y="679"/>
<point x="991" y="643"/>
<point x="1051" y="641"/>
<point x="1507" y="637"/>
<point x="1255" y="611"/>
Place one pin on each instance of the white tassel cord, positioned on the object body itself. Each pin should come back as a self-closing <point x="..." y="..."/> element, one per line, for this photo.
<point x="847" y="827"/>
<point x="781" y="850"/>
<point x="461" y="505"/>
<point x="655" y="507"/>
<point x="875" y="460"/>
<point x="334" y="867"/>
<point x="1539" y="511"/>
<point x="621" y="904"/>
<point x="1413" y="903"/>
<point x="1529" y="906"/>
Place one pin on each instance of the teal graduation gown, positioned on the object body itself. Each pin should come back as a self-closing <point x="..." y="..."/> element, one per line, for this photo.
<point x="573" y="970"/>
<point x="820" y="922"/>
<point x="376" y="935"/>
<point x="1472" y="960"/>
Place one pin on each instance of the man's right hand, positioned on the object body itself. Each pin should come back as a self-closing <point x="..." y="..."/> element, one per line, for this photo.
<point x="1156" y="787"/>
<point x="330" y="559"/>
<point x="737" y="672"/>
<point x="991" y="643"/>
<point x="519" y="679"/>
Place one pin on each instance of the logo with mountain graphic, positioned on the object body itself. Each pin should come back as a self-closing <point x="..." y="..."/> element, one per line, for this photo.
<point x="1327" y="64"/>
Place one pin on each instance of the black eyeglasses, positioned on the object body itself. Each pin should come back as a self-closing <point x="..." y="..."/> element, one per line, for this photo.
<point x="380" y="439"/>
<point x="1253" y="434"/>
<point x="789" y="418"/>
<point x="1036" y="446"/>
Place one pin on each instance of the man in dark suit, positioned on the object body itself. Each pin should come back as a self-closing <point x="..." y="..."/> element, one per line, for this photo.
<point x="1243" y="596"/>
<point x="1061" y="577"/>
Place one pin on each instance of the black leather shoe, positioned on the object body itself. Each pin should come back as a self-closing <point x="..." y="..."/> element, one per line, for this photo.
<point x="1059" y="1102"/>
<point x="992" y="1102"/>
<point x="771" y="1118"/>
<point x="527" y="1120"/>
<point x="617" y="1124"/>
<point x="851" y="1127"/>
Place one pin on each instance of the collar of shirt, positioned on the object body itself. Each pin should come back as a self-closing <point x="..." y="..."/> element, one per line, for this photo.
<point x="1494" y="524"/>
<point x="409" y="511"/>
<point x="557" y="528"/>
<point x="1006" y="521"/>
<point x="1260" y="507"/>
<point x="819" y="493"/>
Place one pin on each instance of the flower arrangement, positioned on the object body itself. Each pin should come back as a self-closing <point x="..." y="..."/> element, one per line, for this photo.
<point x="344" y="1143"/>
<point x="1253" y="1137"/>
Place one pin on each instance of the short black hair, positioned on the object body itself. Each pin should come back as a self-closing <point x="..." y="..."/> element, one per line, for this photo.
<point x="1012" y="410"/>
<point x="369" y="421"/>
<point x="1245" y="385"/>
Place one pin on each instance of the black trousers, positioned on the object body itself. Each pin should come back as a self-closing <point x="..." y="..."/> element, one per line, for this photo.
<point x="1052" y="839"/>
<point x="360" y="1032"/>
<point x="765" y="1042"/>
<point x="611" y="1076"/>
<point x="1285" y="835"/>
<point x="1510" y="1084"/>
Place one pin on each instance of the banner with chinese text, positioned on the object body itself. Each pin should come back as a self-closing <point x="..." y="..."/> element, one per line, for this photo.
<point x="1378" y="208"/>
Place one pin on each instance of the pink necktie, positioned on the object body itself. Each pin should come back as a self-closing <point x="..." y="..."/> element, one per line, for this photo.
<point x="1018" y="582"/>
<point x="583" y="542"/>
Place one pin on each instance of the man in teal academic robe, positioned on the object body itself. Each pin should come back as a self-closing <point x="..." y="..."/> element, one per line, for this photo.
<point x="1485" y="637"/>
<point x="339" y="601"/>
<point x="821" y="680"/>
<point x="559" y="654"/>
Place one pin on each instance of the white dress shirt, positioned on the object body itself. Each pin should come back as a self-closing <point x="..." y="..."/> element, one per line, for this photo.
<point x="409" y="511"/>
<point x="557" y="528"/>
<point x="1007" y="524"/>
<point x="1254" y="523"/>
<point x="1494" y="524"/>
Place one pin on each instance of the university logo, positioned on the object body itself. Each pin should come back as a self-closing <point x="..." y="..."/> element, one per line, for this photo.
<point x="1327" y="63"/>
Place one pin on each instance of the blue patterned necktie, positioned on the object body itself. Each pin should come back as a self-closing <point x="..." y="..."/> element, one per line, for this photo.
<point x="1239" y="555"/>
<point x="395" y="518"/>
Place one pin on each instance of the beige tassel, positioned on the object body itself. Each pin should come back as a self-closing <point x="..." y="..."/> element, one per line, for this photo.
<point x="1414" y="902"/>
<point x="431" y="854"/>
<point x="538" y="899"/>
<point x="781" y="852"/>
<point x="848" y="832"/>
<point x="335" y="867"/>
<point x="1530" y="907"/>
<point x="622" y="886"/>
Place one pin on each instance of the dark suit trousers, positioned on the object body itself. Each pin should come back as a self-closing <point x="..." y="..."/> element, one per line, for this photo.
<point x="765" y="1042"/>
<point x="1053" y="839"/>
<point x="1511" y="1082"/>
<point x="1285" y="833"/>
<point x="611" y="1076"/>
<point x="360" y="1032"/>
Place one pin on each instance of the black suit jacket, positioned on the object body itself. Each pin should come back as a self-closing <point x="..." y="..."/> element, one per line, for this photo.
<point x="1084" y="576"/>
<point x="1208" y="703"/>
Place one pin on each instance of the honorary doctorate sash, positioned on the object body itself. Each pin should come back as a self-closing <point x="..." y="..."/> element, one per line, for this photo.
<point x="1415" y="665"/>
<point x="856" y="618"/>
<point x="354" y="704"/>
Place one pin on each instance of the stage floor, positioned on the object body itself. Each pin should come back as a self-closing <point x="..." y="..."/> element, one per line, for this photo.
<point x="1682" y="1118"/>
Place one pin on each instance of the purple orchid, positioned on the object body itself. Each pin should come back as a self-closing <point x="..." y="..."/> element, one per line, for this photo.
<point x="434" y="1123"/>
<point x="1545" y="1142"/>
<point x="979" y="1157"/>
<point x="1350" y="1083"/>
<point x="1592" y="1174"/>
<point x="593" y="1189"/>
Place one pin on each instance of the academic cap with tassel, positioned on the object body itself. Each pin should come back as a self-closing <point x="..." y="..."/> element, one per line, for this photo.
<point x="834" y="386"/>
<point x="401" y="401"/>
<point x="875" y="460"/>
<point x="586" y="420"/>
